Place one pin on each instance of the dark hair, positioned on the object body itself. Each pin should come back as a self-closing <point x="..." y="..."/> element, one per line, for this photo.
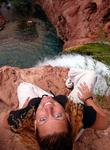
<point x="61" y="99"/>
<point x="56" y="141"/>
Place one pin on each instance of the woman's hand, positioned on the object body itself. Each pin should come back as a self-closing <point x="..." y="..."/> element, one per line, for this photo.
<point x="84" y="93"/>
<point x="102" y="117"/>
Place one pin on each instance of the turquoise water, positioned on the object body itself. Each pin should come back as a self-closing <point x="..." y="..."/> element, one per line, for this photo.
<point x="22" y="53"/>
<point x="19" y="52"/>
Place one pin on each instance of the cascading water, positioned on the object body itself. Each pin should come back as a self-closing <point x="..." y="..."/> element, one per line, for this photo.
<point x="44" y="49"/>
<point x="102" y="85"/>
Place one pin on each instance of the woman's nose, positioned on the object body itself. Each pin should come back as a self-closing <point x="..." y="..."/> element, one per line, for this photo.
<point x="49" y="109"/>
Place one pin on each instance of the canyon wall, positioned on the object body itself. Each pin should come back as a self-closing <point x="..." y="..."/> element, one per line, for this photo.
<point x="48" y="78"/>
<point x="79" y="21"/>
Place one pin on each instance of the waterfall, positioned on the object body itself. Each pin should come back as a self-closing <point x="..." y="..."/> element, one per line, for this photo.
<point x="102" y="85"/>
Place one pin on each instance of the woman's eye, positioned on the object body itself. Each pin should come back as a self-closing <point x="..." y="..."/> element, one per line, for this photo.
<point x="58" y="115"/>
<point x="42" y="120"/>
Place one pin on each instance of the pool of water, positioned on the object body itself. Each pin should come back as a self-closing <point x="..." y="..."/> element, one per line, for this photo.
<point x="25" y="51"/>
<point x="19" y="52"/>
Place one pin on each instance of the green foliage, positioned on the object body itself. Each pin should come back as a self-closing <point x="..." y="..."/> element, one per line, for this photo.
<point x="99" y="51"/>
<point x="23" y="7"/>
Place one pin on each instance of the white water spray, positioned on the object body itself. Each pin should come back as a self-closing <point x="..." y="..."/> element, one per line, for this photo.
<point x="102" y="85"/>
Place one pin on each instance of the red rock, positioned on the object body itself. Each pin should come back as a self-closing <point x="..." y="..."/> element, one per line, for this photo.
<point x="48" y="78"/>
<point x="78" y="21"/>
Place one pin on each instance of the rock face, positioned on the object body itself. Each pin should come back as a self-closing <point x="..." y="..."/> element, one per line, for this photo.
<point x="48" y="78"/>
<point x="79" y="22"/>
<point x="10" y="77"/>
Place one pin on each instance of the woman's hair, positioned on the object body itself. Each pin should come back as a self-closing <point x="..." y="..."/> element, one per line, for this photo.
<point x="61" y="99"/>
<point x="56" y="141"/>
<point x="75" y="113"/>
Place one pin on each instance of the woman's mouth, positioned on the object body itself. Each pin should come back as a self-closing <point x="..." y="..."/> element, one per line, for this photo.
<point x="47" y="103"/>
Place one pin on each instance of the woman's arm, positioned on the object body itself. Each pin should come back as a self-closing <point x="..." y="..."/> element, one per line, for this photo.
<point x="101" y="115"/>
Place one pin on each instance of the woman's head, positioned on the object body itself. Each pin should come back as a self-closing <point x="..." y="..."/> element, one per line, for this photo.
<point x="50" y="117"/>
<point x="52" y="124"/>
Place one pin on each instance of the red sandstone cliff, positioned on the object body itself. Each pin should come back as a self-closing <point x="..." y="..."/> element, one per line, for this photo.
<point x="79" y="21"/>
<point x="48" y="78"/>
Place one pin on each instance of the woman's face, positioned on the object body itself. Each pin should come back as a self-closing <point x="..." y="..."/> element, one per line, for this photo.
<point x="50" y="117"/>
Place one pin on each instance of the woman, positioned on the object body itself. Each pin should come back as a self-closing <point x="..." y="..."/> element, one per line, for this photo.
<point x="57" y="121"/>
